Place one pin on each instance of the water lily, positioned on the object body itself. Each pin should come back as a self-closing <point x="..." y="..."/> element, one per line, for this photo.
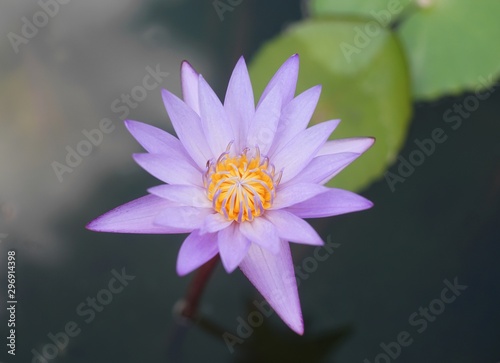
<point x="240" y="179"/>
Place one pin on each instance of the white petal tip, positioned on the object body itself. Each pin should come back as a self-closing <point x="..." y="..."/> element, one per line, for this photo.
<point x="187" y="67"/>
<point x="181" y="271"/>
<point x="296" y="324"/>
<point x="91" y="226"/>
<point x="336" y="122"/>
<point x="165" y="94"/>
<point x="369" y="204"/>
<point x="299" y="330"/>
<point x="228" y="269"/>
<point x="138" y="156"/>
<point x="101" y="224"/>
<point x="241" y="59"/>
<point x="132" y="125"/>
<point x="185" y="63"/>
<point x="293" y="60"/>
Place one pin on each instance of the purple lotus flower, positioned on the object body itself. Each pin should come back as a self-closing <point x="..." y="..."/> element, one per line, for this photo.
<point x="240" y="178"/>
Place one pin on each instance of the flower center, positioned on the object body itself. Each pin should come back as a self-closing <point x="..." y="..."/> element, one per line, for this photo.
<point x="241" y="187"/>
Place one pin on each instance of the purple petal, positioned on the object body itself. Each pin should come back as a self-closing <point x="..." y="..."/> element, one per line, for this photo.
<point x="292" y="228"/>
<point x="157" y="141"/>
<point x="233" y="247"/>
<point x="299" y="151"/>
<point x="214" y="122"/>
<point x="136" y="216"/>
<point x="285" y="79"/>
<point x="323" y="168"/>
<point x="291" y="194"/>
<point x="187" y="218"/>
<point x="214" y="223"/>
<point x="273" y="275"/>
<point x="263" y="127"/>
<point x="295" y="117"/>
<point x="185" y="195"/>
<point x="262" y="232"/>
<point x="169" y="169"/>
<point x="239" y="102"/>
<point x="331" y="203"/>
<point x="353" y="145"/>
<point x="195" y="251"/>
<point x="187" y="125"/>
<point x="189" y="83"/>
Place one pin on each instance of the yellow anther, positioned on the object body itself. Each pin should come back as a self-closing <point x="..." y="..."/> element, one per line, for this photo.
<point x="241" y="187"/>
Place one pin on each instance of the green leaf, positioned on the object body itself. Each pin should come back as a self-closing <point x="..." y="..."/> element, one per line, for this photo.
<point x="452" y="46"/>
<point x="368" y="90"/>
<point x="382" y="11"/>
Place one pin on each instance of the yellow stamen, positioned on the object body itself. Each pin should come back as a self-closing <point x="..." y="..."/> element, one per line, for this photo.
<point x="241" y="187"/>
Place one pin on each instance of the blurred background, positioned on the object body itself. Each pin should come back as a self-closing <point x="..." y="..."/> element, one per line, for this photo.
<point x="409" y="73"/>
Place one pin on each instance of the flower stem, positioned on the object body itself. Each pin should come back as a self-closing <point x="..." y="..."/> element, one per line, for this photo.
<point x="195" y="289"/>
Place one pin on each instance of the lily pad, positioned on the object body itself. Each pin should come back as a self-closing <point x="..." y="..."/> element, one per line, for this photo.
<point x="383" y="11"/>
<point x="452" y="46"/>
<point x="369" y="90"/>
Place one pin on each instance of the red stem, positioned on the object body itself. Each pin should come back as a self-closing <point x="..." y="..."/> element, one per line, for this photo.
<point x="195" y="289"/>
